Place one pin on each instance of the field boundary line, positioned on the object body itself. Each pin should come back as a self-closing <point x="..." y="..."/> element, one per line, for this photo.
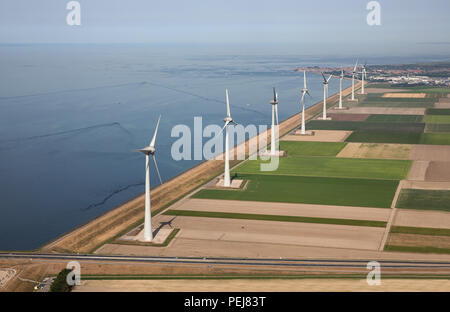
<point x="391" y="217"/>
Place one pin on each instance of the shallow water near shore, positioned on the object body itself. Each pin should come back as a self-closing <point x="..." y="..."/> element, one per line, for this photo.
<point x="71" y="116"/>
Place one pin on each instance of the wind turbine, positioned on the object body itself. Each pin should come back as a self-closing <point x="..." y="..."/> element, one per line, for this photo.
<point x="363" y="76"/>
<point x="274" y="103"/>
<point x="325" y="95"/>
<point x="341" y="78"/>
<point x="149" y="151"/>
<point x="227" y="120"/>
<point x="353" y="80"/>
<point x="304" y="92"/>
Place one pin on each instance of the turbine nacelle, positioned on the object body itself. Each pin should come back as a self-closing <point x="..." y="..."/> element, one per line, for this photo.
<point x="149" y="150"/>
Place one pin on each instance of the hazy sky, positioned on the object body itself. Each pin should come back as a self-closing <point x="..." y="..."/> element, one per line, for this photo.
<point x="407" y="26"/>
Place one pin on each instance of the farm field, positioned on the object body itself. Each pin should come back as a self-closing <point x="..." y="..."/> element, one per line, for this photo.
<point x="435" y="138"/>
<point x="387" y="137"/>
<point x="376" y="150"/>
<point x="438" y="111"/>
<point x="368" y="126"/>
<point x="333" y="167"/>
<point x="310" y="190"/>
<point x="424" y="199"/>
<point x="298" y="148"/>
<point x="437" y="128"/>
<point x="437" y="119"/>
<point x="394" y="118"/>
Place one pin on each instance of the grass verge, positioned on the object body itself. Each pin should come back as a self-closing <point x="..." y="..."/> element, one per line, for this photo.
<point x="420" y="231"/>
<point x="420" y="249"/>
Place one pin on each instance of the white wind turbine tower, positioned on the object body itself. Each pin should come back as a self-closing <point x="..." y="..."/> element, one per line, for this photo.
<point x="227" y="120"/>
<point x="149" y="151"/>
<point x="353" y="80"/>
<point x="274" y="103"/>
<point x="325" y="95"/>
<point x="363" y="76"/>
<point x="304" y="92"/>
<point x="341" y="78"/>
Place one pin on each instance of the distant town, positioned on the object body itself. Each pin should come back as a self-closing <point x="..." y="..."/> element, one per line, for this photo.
<point x="422" y="74"/>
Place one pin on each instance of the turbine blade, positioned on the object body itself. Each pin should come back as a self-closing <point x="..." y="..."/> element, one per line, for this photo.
<point x="356" y="65"/>
<point x="226" y="124"/>
<point x="274" y="95"/>
<point x="304" y="79"/>
<point x="152" y="143"/>
<point x="307" y="92"/>
<point x="157" y="169"/>
<point x="329" y="78"/>
<point x="228" y="103"/>
<point x="324" y="79"/>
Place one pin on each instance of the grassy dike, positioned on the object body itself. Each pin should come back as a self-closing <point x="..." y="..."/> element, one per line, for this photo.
<point x="88" y="237"/>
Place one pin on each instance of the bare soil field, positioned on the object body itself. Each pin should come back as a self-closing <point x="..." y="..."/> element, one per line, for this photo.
<point x="348" y="117"/>
<point x="320" y="136"/>
<point x="405" y="95"/>
<point x="385" y="110"/>
<point x="418" y="218"/>
<point x="438" y="171"/>
<point x="413" y="240"/>
<point x="268" y="285"/>
<point x="425" y="185"/>
<point x="442" y="103"/>
<point x="376" y="150"/>
<point x="430" y="152"/>
<point x="285" y="209"/>
<point x="253" y="235"/>
<point x="418" y="170"/>
<point x="383" y="90"/>
<point x="90" y="236"/>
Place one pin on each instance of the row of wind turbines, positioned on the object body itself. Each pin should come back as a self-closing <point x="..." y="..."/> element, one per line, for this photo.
<point x="150" y="150"/>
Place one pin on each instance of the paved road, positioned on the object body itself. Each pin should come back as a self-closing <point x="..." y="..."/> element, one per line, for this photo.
<point x="323" y="263"/>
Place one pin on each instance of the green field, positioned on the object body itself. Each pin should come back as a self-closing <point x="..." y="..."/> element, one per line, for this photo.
<point x="250" y="216"/>
<point x="366" y="126"/>
<point x="333" y="167"/>
<point x="420" y="231"/>
<point x="385" y="137"/>
<point x="410" y="89"/>
<point x="421" y="249"/>
<point x="424" y="199"/>
<point x="311" y="148"/>
<point x="310" y="190"/>
<point x="394" y="118"/>
<point x="435" y="138"/>
<point x="376" y="100"/>
<point x="437" y="128"/>
<point x="438" y="111"/>
<point x="437" y="119"/>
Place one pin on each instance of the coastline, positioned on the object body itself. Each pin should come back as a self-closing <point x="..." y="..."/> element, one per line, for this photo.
<point x="87" y="237"/>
